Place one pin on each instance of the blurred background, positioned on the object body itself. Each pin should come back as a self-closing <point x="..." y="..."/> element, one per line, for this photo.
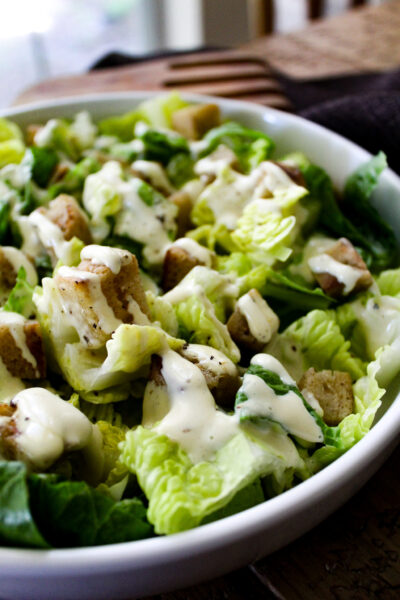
<point x="48" y="38"/>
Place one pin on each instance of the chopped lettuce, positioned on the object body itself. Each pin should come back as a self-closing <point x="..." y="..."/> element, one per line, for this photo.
<point x="251" y="147"/>
<point x="43" y="511"/>
<point x="181" y="494"/>
<point x="315" y="341"/>
<point x="20" y="298"/>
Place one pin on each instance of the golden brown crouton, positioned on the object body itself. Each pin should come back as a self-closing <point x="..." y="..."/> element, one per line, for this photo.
<point x="219" y="371"/>
<point x="333" y="391"/>
<point x="60" y="170"/>
<point x="184" y="203"/>
<point x="194" y="121"/>
<point x="119" y="289"/>
<point x="8" y="276"/>
<point x="344" y="252"/>
<point x="8" y="431"/>
<point x="177" y="264"/>
<point x="265" y="322"/>
<point x="12" y="355"/>
<point x="294" y="173"/>
<point x="240" y="332"/>
<point x="66" y="213"/>
<point x="30" y="133"/>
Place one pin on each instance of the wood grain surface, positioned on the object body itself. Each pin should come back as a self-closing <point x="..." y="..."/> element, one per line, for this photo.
<point x="353" y="555"/>
<point x="361" y="40"/>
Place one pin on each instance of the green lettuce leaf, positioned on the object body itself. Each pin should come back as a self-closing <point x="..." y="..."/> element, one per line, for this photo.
<point x="280" y="388"/>
<point x="74" y="180"/>
<point x="180" y="169"/>
<point x="315" y="340"/>
<point x="11" y="152"/>
<point x="44" y="161"/>
<point x="181" y="494"/>
<point x="161" y="147"/>
<point x="20" y="298"/>
<point x="389" y="282"/>
<point x="71" y="513"/>
<point x="250" y="146"/>
<point x="17" y="528"/>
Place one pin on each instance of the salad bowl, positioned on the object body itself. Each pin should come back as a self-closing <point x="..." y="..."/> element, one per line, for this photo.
<point x="135" y="569"/>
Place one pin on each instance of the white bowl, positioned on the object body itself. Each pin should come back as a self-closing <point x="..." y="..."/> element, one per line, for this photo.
<point x="161" y="564"/>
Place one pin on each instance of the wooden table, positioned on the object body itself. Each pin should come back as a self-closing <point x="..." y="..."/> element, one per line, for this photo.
<point x="353" y="555"/>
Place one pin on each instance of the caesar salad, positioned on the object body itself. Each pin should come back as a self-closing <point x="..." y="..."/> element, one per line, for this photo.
<point x="191" y="322"/>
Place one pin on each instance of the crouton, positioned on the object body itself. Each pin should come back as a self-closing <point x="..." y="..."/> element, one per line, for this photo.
<point x="333" y="390"/>
<point x="253" y="323"/>
<point x="30" y="133"/>
<point x="8" y="275"/>
<point x="65" y="212"/>
<point x="60" y="171"/>
<point x="294" y="173"/>
<point x="177" y="264"/>
<point x="194" y="121"/>
<point x="8" y="431"/>
<point x="342" y="252"/>
<point x="219" y="371"/>
<point x="184" y="203"/>
<point x="81" y="289"/>
<point x="17" y="360"/>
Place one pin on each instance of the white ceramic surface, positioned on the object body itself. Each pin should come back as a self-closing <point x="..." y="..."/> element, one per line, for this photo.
<point x="136" y="569"/>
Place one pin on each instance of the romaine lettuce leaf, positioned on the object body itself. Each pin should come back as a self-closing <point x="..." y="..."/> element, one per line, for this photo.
<point x="250" y="146"/>
<point x="181" y="494"/>
<point x="20" y="298"/>
<point x="17" y="527"/>
<point x="315" y="340"/>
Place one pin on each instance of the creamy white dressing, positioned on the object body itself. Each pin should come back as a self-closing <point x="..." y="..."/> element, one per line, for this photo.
<point x="146" y="224"/>
<point x="209" y="358"/>
<point x="195" y="250"/>
<point x="51" y="236"/>
<point x="15" y="324"/>
<point x="191" y="285"/>
<point x="193" y="419"/>
<point x="280" y="444"/>
<point x="154" y="173"/>
<point x="215" y="162"/>
<point x="107" y="321"/>
<point x="379" y="318"/>
<point x="261" y="319"/>
<point x="345" y="274"/>
<point x="31" y="245"/>
<point x="47" y="426"/>
<point x="112" y="258"/>
<point x="287" y="409"/>
<point x="44" y="136"/>
<point x="227" y="196"/>
<point x="317" y="244"/>
<point x="18" y="259"/>
<point x="84" y="129"/>
<point x="10" y="385"/>
<point x="312" y="401"/>
<point x="231" y="192"/>
<point x="270" y="179"/>
<point x="193" y="188"/>
<point x="270" y="363"/>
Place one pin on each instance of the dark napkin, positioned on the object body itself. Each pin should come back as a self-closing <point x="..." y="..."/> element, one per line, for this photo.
<point x="362" y="108"/>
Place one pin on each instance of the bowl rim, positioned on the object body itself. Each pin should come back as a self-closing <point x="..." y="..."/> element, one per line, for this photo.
<point x="160" y="550"/>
